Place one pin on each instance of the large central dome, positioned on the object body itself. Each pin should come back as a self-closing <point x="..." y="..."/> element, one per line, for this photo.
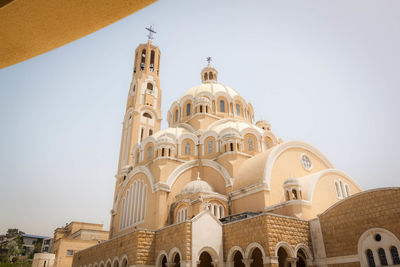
<point x="210" y="101"/>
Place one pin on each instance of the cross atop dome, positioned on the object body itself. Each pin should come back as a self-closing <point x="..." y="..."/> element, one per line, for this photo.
<point x="209" y="59"/>
<point x="209" y="74"/>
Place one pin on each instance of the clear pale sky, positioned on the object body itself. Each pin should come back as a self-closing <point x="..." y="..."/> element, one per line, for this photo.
<point x="324" y="72"/>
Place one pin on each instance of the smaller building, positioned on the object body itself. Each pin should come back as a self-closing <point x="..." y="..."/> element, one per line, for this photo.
<point x="46" y="246"/>
<point x="33" y="243"/>
<point x="74" y="237"/>
<point x="43" y="260"/>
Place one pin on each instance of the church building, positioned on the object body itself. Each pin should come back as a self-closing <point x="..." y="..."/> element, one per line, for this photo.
<point x="217" y="188"/>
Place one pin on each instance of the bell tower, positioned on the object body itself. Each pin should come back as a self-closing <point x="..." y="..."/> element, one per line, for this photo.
<point x="143" y="107"/>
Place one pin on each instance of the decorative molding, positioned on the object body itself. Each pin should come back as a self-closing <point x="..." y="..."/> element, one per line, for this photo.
<point x="248" y="190"/>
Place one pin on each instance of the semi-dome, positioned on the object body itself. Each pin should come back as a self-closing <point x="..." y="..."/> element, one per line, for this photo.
<point x="197" y="186"/>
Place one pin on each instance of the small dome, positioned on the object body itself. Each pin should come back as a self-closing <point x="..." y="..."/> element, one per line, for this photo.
<point x="291" y="181"/>
<point x="198" y="186"/>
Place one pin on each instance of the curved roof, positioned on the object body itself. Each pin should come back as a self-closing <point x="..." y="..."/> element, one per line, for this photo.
<point x="197" y="186"/>
<point x="209" y="88"/>
<point x="221" y="125"/>
<point x="31" y="28"/>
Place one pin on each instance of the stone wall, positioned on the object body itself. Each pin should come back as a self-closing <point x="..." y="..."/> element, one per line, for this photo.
<point x="344" y="223"/>
<point x="291" y="230"/>
<point x="175" y="236"/>
<point x="138" y="246"/>
<point x="267" y="230"/>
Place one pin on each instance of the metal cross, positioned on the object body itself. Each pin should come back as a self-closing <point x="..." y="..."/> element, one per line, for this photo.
<point x="209" y="60"/>
<point x="151" y="31"/>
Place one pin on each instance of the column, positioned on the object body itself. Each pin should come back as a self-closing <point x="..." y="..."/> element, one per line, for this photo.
<point x="292" y="261"/>
<point x="247" y="262"/>
<point x="270" y="261"/>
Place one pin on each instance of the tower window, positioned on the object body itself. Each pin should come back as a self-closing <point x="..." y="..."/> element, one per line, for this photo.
<point x="147" y="115"/>
<point x="211" y="76"/>
<point x="141" y="134"/>
<point x="150" y="86"/>
<point x="205" y="76"/>
<point x="176" y="115"/>
<point x="222" y="106"/>
<point x="188" y="107"/>
<point x="162" y="152"/>
<point x="201" y="109"/>
<point x="237" y="109"/>
<point x="150" y="132"/>
<point x="231" y="145"/>
<point x="143" y="60"/>
<point x="187" y="148"/>
<point x="152" y="60"/>
<point x="149" y="152"/>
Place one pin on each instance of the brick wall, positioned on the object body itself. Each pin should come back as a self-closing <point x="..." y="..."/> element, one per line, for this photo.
<point x="343" y="224"/>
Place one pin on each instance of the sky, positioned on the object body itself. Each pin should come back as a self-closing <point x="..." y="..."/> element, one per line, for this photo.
<point x="324" y="72"/>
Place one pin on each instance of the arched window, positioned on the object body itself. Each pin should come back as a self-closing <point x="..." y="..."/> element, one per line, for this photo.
<point x="149" y="152"/>
<point x="222" y="106"/>
<point x="382" y="257"/>
<point x="143" y="60"/>
<point x="210" y="146"/>
<point x="294" y="192"/>
<point x="395" y="255"/>
<point x="250" y="144"/>
<point x="201" y="109"/>
<point x="205" y="76"/>
<point x="176" y="115"/>
<point x="141" y="134"/>
<point x="188" y="107"/>
<point x="150" y="132"/>
<point x="267" y="144"/>
<point x="187" y="148"/>
<point x="338" y="192"/>
<point x="287" y="195"/>
<point x="147" y="115"/>
<point x="150" y="86"/>
<point x="217" y="210"/>
<point x="370" y="258"/>
<point x="231" y="145"/>
<point x="347" y="190"/>
<point x="342" y="189"/>
<point x="152" y="60"/>
<point x="237" y="260"/>
<point x="237" y="109"/>
<point x="181" y="215"/>
<point x="162" y="152"/>
<point x="211" y="76"/>
<point x="133" y="205"/>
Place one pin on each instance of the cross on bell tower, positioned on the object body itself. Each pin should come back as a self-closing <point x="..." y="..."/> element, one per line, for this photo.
<point x="151" y="31"/>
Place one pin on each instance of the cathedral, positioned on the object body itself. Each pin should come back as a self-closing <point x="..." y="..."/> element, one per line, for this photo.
<point x="217" y="188"/>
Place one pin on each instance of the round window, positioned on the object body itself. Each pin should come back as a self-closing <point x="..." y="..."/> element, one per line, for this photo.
<point x="378" y="237"/>
<point x="306" y="162"/>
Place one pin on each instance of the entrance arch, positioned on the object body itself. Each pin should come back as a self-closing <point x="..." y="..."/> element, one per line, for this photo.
<point x="205" y="260"/>
<point x="177" y="260"/>
<point x="282" y="257"/>
<point x="238" y="259"/>
<point x="256" y="258"/>
<point x="301" y="259"/>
